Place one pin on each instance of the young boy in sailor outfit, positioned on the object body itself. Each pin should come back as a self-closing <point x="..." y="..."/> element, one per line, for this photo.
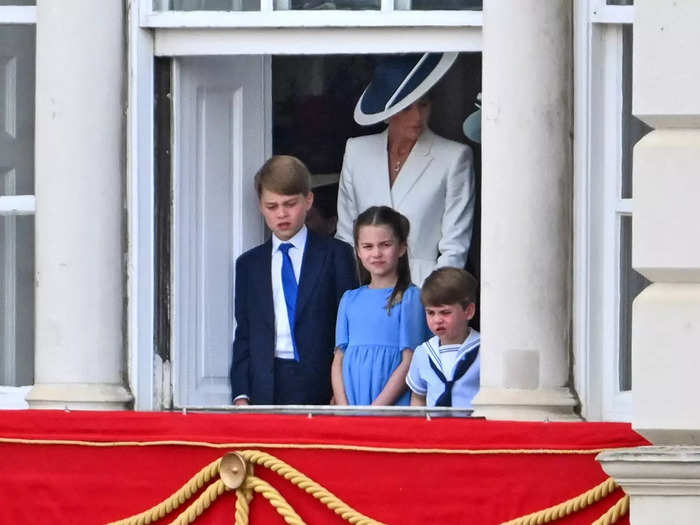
<point x="444" y="370"/>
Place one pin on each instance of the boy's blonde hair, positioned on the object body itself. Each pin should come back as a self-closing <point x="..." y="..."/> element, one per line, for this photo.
<point x="283" y="174"/>
<point x="449" y="286"/>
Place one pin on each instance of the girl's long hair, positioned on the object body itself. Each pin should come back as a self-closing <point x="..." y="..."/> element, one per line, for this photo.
<point x="399" y="225"/>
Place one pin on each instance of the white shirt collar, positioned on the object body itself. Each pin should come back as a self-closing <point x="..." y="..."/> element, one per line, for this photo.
<point x="298" y="240"/>
<point x="433" y="347"/>
<point x="469" y="341"/>
<point x="471" y="338"/>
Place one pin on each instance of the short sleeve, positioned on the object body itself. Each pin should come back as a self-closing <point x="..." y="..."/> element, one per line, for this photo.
<point x="342" y="333"/>
<point x="413" y="329"/>
<point x="414" y="379"/>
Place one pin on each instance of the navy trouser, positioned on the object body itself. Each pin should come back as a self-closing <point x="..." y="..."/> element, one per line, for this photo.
<point x="292" y="388"/>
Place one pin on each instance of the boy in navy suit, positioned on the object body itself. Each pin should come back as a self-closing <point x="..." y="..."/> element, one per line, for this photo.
<point x="287" y="295"/>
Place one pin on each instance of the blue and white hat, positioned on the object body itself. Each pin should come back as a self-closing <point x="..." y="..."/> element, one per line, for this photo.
<point x="472" y="124"/>
<point x="398" y="81"/>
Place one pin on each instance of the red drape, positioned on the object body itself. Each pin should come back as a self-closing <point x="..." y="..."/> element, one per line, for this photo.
<point x="79" y="483"/>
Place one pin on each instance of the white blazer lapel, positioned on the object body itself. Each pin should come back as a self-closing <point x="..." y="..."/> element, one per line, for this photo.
<point x="372" y="183"/>
<point x="413" y="168"/>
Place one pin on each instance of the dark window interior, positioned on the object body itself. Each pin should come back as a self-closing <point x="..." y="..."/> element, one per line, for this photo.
<point x="314" y="98"/>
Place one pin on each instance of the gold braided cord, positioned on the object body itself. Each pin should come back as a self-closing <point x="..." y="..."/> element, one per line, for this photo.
<point x="567" y="507"/>
<point x="201" y="504"/>
<point x="243" y="498"/>
<point x="311" y="446"/>
<point x="280" y="504"/>
<point x="244" y="494"/>
<point x="308" y="485"/>
<point x="615" y="512"/>
<point x="184" y="493"/>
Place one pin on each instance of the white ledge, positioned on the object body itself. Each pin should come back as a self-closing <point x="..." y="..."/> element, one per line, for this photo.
<point x="300" y="18"/>
<point x="657" y="471"/>
<point x="17" y="205"/>
<point x="15" y="14"/>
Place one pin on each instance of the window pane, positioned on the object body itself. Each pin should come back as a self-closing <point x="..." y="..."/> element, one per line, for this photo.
<point x="17" y="2"/>
<point x="206" y="5"/>
<point x="436" y="5"/>
<point x="254" y="5"/>
<point x="620" y="2"/>
<point x="17" y="81"/>
<point x="16" y="300"/>
<point x="17" y="109"/>
<point x="631" y="284"/>
<point x="314" y="5"/>
<point x="633" y="129"/>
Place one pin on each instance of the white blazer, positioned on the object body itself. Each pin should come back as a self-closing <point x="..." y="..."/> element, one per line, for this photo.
<point x="434" y="189"/>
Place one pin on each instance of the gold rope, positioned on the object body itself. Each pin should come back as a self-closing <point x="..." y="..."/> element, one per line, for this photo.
<point x="280" y="504"/>
<point x="308" y="446"/>
<point x="164" y="508"/>
<point x="244" y="495"/>
<point x="567" y="507"/>
<point x="615" y="512"/>
<point x="201" y="504"/>
<point x="254" y="484"/>
<point x="308" y="485"/>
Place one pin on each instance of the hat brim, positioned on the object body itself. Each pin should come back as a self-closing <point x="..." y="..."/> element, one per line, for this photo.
<point x="367" y="119"/>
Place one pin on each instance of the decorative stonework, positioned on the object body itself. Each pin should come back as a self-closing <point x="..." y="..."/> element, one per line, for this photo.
<point x="662" y="482"/>
<point x="79" y="397"/>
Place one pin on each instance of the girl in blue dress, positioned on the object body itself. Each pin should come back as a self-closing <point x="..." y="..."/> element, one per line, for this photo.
<point x="380" y="323"/>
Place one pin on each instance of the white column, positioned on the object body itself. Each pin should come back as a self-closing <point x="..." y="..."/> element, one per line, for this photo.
<point x="526" y="210"/>
<point x="80" y="94"/>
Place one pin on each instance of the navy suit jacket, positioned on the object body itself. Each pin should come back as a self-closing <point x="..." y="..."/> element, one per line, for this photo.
<point x="327" y="271"/>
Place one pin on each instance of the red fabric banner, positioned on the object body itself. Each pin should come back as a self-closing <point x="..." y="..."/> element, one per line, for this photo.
<point x="397" y="470"/>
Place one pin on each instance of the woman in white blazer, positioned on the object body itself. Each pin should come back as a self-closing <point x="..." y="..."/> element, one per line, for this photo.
<point x="426" y="177"/>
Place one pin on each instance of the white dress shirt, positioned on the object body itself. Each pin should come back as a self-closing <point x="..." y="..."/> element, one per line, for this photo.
<point x="283" y="334"/>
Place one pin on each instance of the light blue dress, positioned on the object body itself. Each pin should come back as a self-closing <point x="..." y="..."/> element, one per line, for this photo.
<point x="374" y="340"/>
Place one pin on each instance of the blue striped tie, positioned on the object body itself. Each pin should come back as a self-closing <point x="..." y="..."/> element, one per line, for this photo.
<point x="289" y="285"/>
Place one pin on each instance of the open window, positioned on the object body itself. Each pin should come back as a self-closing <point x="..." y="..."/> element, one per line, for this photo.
<point x="229" y="114"/>
<point x="605" y="284"/>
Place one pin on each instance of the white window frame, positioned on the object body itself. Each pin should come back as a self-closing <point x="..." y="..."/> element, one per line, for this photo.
<point x="18" y="14"/>
<point x="16" y="205"/>
<point x="268" y="32"/>
<point x="267" y="16"/>
<point x="598" y="208"/>
<point x="602" y="13"/>
<point x="148" y="391"/>
<point x="214" y="33"/>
